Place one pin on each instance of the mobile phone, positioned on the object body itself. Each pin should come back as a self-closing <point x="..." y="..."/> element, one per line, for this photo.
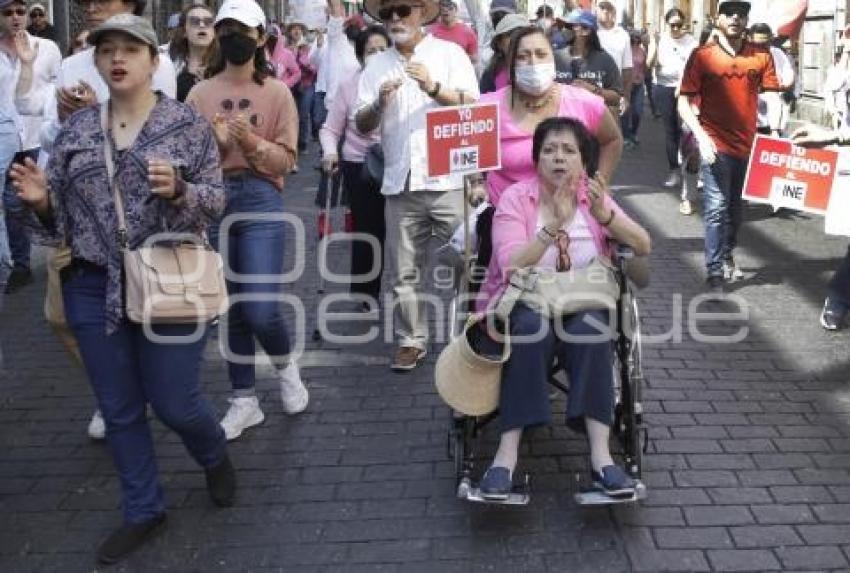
<point x="21" y="156"/>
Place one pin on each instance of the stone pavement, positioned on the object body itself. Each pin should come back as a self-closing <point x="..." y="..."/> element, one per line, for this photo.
<point x="748" y="464"/>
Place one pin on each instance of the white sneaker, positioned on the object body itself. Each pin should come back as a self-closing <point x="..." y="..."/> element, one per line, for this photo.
<point x="244" y="413"/>
<point x="731" y="271"/>
<point x="293" y="393"/>
<point x="97" y="427"/>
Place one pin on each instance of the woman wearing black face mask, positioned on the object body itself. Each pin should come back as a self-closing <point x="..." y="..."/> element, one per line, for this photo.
<point x="256" y="127"/>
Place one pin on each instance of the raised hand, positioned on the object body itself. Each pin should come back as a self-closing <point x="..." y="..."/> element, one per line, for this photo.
<point x="30" y="184"/>
<point x="26" y="52"/>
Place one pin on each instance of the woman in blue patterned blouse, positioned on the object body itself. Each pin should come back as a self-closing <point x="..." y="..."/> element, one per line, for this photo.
<point x="167" y="167"/>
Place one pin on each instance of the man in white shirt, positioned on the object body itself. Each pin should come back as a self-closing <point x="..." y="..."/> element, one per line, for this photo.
<point x="16" y="56"/>
<point x="772" y="104"/>
<point x="397" y="87"/>
<point x="38" y="73"/>
<point x="79" y="84"/>
<point x="616" y="41"/>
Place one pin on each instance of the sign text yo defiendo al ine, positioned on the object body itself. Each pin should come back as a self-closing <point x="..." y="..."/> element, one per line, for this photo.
<point x="463" y="139"/>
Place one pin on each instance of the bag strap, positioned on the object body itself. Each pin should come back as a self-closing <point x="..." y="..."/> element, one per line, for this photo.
<point x="117" y="199"/>
<point x="521" y="281"/>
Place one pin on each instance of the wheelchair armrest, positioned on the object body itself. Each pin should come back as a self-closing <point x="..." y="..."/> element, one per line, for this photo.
<point x="635" y="268"/>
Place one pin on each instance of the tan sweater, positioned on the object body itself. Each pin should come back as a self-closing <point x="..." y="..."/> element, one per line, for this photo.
<point x="271" y="111"/>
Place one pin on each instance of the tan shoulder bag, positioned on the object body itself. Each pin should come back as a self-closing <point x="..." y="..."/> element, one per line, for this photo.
<point x="180" y="280"/>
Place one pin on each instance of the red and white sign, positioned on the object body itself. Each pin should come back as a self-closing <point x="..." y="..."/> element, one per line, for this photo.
<point x="463" y="139"/>
<point x="785" y="175"/>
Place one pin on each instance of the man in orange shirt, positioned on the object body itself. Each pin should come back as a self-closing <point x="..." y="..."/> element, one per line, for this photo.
<point x="725" y="77"/>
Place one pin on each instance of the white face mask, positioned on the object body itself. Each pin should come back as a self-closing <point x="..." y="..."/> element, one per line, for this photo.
<point x="535" y="79"/>
<point x="399" y="37"/>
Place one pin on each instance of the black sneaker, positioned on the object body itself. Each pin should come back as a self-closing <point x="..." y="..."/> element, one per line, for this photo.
<point x="833" y="314"/>
<point x="714" y="284"/>
<point x="221" y="483"/>
<point x="128" y="538"/>
<point x="18" y="278"/>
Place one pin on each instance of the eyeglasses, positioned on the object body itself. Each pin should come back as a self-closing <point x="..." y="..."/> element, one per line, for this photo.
<point x="15" y="12"/>
<point x="403" y="11"/>
<point x="197" y="21"/>
<point x="563" y="262"/>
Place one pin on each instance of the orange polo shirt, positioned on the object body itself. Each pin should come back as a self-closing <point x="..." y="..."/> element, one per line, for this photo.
<point x="728" y="87"/>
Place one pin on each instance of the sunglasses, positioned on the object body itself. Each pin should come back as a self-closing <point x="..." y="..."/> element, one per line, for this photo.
<point x="197" y="21"/>
<point x="15" y="12"/>
<point x="403" y="11"/>
<point x="563" y="262"/>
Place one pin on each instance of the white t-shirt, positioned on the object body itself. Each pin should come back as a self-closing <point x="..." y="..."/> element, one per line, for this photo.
<point x="81" y="67"/>
<point x="618" y="44"/>
<point x="31" y="105"/>
<point x="785" y="73"/>
<point x="671" y="58"/>
<point x="403" y="125"/>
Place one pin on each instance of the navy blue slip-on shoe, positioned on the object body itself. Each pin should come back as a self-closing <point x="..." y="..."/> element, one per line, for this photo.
<point x="496" y="483"/>
<point x="613" y="481"/>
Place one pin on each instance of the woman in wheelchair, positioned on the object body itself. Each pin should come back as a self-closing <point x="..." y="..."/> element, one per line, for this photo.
<point x="561" y="219"/>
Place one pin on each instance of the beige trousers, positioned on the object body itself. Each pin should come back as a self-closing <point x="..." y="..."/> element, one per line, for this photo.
<point x="412" y="219"/>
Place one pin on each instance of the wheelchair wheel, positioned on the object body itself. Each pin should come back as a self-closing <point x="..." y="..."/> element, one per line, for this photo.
<point x="460" y="434"/>
<point x="628" y="423"/>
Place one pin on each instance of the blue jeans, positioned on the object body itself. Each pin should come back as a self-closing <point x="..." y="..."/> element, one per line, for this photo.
<point x="9" y="144"/>
<point x="630" y="121"/>
<point x="19" y="240"/>
<point x="318" y="113"/>
<point x="839" y="285"/>
<point x="723" y="184"/>
<point x="524" y="393"/>
<point x="254" y="247"/>
<point x="127" y="371"/>
<point x="305" y="112"/>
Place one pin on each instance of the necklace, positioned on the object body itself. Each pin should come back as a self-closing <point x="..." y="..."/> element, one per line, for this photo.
<point x="540" y="104"/>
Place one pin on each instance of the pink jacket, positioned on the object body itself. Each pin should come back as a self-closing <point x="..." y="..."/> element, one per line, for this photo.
<point x="341" y="120"/>
<point x="515" y="224"/>
<point x="288" y="70"/>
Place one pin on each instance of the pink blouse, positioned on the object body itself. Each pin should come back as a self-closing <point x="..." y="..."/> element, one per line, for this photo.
<point x="517" y="164"/>
<point x="515" y="224"/>
<point x="288" y="70"/>
<point x="341" y="119"/>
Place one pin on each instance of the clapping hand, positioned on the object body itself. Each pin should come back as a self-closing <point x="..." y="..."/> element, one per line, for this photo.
<point x="162" y="178"/>
<point x="26" y="53"/>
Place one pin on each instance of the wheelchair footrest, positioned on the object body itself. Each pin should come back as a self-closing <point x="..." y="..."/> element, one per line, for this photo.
<point x="597" y="496"/>
<point x="470" y="492"/>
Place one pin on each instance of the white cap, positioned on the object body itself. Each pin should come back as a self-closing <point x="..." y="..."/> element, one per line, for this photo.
<point x="246" y="12"/>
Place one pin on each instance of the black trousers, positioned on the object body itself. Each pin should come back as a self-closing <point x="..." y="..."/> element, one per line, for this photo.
<point x="665" y="99"/>
<point x="367" y="209"/>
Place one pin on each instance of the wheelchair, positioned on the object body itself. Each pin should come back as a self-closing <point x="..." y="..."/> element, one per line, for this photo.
<point x="628" y="431"/>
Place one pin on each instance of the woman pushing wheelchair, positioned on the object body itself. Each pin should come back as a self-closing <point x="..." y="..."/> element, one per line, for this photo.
<point x="562" y="220"/>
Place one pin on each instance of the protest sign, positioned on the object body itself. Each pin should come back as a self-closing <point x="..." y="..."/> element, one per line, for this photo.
<point x="463" y="139"/>
<point x="785" y="175"/>
<point x="311" y="13"/>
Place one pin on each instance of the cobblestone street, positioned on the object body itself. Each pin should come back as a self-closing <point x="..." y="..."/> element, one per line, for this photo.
<point x="748" y="463"/>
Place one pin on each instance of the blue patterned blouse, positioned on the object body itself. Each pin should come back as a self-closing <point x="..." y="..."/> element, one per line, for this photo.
<point x="82" y="211"/>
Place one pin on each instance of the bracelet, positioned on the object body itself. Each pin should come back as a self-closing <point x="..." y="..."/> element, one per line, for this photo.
<point x="610" y="219"/>
<point x="179" y="190"/>
<point x="548" y="232"/>
<point x="544" y="237"/>
<point x="434" y="92"/>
